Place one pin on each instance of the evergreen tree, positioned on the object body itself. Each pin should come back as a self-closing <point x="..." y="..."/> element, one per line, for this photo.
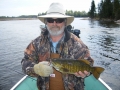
<point x="105" y="9"/>
<point x="116" y="7"/>
<point x="92" y="10"/>
<point x="109" y="9"/>
<point x="100" y="10"/>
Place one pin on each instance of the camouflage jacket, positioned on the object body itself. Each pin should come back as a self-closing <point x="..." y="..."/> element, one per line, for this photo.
<point x="39" y="50"/>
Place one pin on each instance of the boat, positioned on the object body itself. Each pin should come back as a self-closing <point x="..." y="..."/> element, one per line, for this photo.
<point x="91" y="83"/>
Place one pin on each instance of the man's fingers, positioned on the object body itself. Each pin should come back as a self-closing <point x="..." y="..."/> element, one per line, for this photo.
<point x="86" y="73"/>
<point x="82" y="74"/>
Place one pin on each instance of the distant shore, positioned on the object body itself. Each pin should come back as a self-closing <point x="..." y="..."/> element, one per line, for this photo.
<point x="85" y="18"/>
<point x="8" y="19"/>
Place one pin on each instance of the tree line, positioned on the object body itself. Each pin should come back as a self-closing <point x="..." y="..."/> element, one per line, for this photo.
<point x="107" y="9"/>
<point x="72" y="13"/>
<point x="22" y="16"/>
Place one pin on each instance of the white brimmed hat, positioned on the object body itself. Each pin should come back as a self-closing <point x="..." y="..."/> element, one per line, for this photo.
<point x="56" y="10"/>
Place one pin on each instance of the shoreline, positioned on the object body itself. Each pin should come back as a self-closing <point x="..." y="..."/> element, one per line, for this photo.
<point x="10" y="19"/>
<point x="85" y="18"/>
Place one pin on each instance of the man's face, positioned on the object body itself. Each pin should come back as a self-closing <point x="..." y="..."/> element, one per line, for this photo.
<point x="55" y="26"/>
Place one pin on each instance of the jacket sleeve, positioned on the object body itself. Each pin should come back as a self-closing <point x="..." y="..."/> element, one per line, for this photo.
<point x="29" y="60"/>
<point x="82" y="51"/>
<point x="86" y="54"/>
<point x="88" y="57"/>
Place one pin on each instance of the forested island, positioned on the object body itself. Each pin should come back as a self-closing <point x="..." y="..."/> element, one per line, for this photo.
<point x="106" y="10"/>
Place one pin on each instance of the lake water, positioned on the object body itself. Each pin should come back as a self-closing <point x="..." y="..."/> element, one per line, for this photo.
<point x="102" y="38"/>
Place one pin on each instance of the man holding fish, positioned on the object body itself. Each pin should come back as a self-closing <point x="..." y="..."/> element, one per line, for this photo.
<point x="44" y="57"/>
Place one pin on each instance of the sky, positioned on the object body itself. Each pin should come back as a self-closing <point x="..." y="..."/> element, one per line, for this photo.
<point x="33" y="7"/>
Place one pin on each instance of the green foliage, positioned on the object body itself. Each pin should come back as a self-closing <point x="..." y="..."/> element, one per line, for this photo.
<point x="28" y="16"/>
<point x="77" y="13"/>
<point x="116" y="8"/>
<point x="2" y="16"/>
<point x="22" y="16"/>
<point x="109" y="9"/>
<point x="92" y="10"/>
<point x="100" y="9"/>
<point x="72" y="13"/>
<point x="117" y="14"/>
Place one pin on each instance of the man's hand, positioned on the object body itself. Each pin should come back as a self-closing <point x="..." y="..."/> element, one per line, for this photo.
<point x="43" y="69"/>
<point x="82" y="74"/>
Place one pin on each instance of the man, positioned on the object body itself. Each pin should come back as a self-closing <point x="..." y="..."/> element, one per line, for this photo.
<point x="55" y="42"/>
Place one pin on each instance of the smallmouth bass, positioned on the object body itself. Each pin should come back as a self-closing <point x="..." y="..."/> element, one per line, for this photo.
<point x="71" y="66"/>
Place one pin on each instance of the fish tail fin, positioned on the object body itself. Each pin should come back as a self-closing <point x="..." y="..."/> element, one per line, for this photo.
<point x="97" y="71"/>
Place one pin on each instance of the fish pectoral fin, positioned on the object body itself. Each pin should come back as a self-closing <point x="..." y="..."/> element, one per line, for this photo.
<point x="64" y="70"/>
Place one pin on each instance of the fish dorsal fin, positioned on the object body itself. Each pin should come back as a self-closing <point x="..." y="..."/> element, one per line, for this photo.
<point x="85" y="61"/>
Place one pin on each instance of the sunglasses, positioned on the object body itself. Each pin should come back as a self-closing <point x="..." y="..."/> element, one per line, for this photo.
<point x="58" y="20"/>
